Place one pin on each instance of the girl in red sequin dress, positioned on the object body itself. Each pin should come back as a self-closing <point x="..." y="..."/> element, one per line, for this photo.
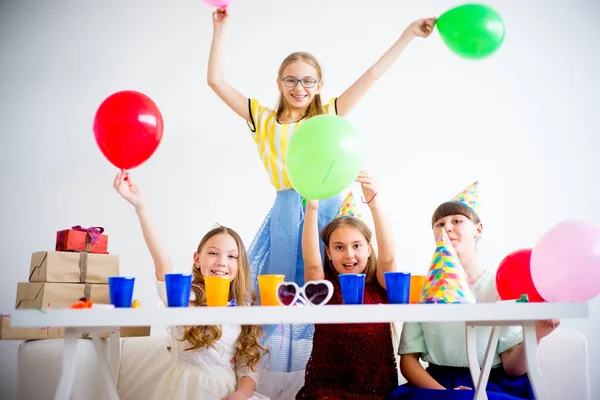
<point x="350" y="361"/>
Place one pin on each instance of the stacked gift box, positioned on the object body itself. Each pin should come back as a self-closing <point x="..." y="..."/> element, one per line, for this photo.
<point x="78" y="268"/>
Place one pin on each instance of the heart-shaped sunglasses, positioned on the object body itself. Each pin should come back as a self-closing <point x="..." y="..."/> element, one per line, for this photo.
<point x="313" y="293"/>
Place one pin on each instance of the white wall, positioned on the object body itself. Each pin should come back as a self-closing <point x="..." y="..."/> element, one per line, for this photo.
<point x="524" y="122"/>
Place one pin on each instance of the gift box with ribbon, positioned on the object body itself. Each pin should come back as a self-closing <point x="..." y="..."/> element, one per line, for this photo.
<point x="78" y="238"/>
<point x="45" y="295"/>
<point x="70" y="267"/>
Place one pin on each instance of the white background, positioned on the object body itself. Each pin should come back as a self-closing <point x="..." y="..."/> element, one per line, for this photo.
<point x="521" y="121"/>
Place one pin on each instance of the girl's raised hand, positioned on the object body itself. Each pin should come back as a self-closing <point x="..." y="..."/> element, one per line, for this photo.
<point x="219" y="18"/>
<point x="422" y="27"/>
<point x="312" y="204"/>
<point x="127" y="189"/>
<point x="369" y="188"/>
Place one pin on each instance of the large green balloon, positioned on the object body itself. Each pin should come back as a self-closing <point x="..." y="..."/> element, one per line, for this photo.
<point x="472" y="30"/>
<point x="324" y="157"/>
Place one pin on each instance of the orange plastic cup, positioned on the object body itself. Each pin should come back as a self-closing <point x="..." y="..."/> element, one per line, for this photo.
<point x="416" y="287"/>
<point x="267" y="286"/>
<point x="217" y="290"/>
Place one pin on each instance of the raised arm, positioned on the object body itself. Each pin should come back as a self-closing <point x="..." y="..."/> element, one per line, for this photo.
<point x="311" y="253"/>
<point x="131" y="192"/>
<point x="386" y="257"/>
<point x="348" y="100"/>
<point x="215" y="78"/>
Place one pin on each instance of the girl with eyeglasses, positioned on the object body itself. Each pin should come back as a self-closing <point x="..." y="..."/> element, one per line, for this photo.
<point x="276" y="249"/>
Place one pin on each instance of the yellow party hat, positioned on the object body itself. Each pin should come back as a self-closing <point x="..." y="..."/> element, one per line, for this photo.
<point x="348" y="208"/>
<point x="446" y="280"/>
<point x="469" y="197"/>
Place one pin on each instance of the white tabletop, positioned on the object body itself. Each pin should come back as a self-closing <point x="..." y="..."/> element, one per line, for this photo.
<point x="484" y="312"/>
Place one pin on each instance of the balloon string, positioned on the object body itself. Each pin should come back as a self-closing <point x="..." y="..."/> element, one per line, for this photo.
<point x="302" y="205"/>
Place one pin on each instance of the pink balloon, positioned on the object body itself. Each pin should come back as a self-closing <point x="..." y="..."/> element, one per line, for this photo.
<point x="565" y="262"/>
<point x="217" y="3"/>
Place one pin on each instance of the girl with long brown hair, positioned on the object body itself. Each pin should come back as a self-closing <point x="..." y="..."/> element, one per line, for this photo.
<point x="209" y="362"/>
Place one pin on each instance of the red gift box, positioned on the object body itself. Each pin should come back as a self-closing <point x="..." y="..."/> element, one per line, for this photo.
<point x="77" y="238"/>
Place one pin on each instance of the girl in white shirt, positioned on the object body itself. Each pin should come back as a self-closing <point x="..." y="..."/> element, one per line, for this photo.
<point x="209" y="362"/>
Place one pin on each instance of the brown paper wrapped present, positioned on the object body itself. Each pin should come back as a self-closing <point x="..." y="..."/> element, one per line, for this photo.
<point x="69" y="267"/>
<point x="8" y="332"/>
<point x="59" y="295"/>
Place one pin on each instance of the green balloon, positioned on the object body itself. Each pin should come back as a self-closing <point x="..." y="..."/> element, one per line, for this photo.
<point x="324" y="156"/>
<point x="472" y="30"/>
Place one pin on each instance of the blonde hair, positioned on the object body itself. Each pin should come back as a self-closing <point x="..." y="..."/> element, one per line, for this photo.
<point x="371" y="267"/>
<point x="316" y="106"/>
<point x="247" y="345"/>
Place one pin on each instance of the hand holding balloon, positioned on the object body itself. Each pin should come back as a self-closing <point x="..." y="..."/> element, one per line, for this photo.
<point x="219" y="18"/>
<point x="128" y="190"/>
<point x="422" y="27"/>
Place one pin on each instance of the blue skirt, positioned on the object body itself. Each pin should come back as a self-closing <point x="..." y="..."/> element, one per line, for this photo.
<point x="501" y="386"/>
<point x="277" y="249"/>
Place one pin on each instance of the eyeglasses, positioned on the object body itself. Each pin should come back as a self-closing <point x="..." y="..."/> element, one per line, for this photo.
<point x="316" y="293"/>
<point x="291" y="81"/>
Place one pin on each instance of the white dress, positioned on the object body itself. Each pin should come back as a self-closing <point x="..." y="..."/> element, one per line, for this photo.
<point x="208" y="373"/>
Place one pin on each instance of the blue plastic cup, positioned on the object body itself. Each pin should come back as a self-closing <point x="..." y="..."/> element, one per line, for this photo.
<point x="398" y="287"/>
<point x="353" y="288"/>
<point x="179" y="287"/>
<point x="121" y="291"/>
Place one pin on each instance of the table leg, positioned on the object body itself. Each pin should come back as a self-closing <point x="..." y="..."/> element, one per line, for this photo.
<point x="105" y="368"/>
<point x="115" y="354"/>
<point x="533" y="367"/>
<point x="471" y="335"/>
<point x="67" y="378"/>
<point x="490" y="353"/>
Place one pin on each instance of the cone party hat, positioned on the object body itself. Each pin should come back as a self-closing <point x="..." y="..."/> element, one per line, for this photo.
<point x="469" y="197"/>
<point x="446" y="281"/>
<point x="348" y="208"/>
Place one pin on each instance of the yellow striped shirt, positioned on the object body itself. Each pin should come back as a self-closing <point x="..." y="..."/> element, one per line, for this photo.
<point x="272" y="138"/>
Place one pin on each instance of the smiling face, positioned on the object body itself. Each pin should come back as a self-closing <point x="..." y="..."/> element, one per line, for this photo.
<point x="462" y="232"/>
<point x="299" y="83"/>
<point x="462" y="224"/>
<point x="218" y="256"/>
<point x="348" y="250"/>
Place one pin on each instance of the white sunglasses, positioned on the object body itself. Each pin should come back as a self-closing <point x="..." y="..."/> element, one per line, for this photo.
<point x="313" y="293"/>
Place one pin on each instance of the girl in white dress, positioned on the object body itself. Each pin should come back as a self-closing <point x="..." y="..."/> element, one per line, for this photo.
<point x="208" y="362"/>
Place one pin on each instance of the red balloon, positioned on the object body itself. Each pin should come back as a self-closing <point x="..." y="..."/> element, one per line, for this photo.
<point x="128" y="128"/>
<point x="513" y="277"/>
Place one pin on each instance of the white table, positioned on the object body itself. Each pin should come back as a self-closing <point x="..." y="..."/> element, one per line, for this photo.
<point x="487" y="314"/>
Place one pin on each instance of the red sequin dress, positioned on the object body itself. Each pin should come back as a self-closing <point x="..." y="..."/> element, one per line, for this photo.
<point x="351" y="361"/>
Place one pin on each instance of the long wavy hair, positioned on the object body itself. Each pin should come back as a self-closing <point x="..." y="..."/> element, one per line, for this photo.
<point x="247" y="345"/>
<point x="316" y="106"/>
<point x="371" y="267"/>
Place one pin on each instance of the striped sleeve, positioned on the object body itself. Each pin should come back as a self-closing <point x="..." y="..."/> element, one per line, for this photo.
<point x="258" y="115"/>
<point x="331" y="107"/>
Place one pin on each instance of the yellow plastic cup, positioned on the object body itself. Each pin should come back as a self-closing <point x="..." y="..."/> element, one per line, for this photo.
<point x="267" y="286"/>
<point x="416" y="287"/>
<point x="217" y="290"/>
